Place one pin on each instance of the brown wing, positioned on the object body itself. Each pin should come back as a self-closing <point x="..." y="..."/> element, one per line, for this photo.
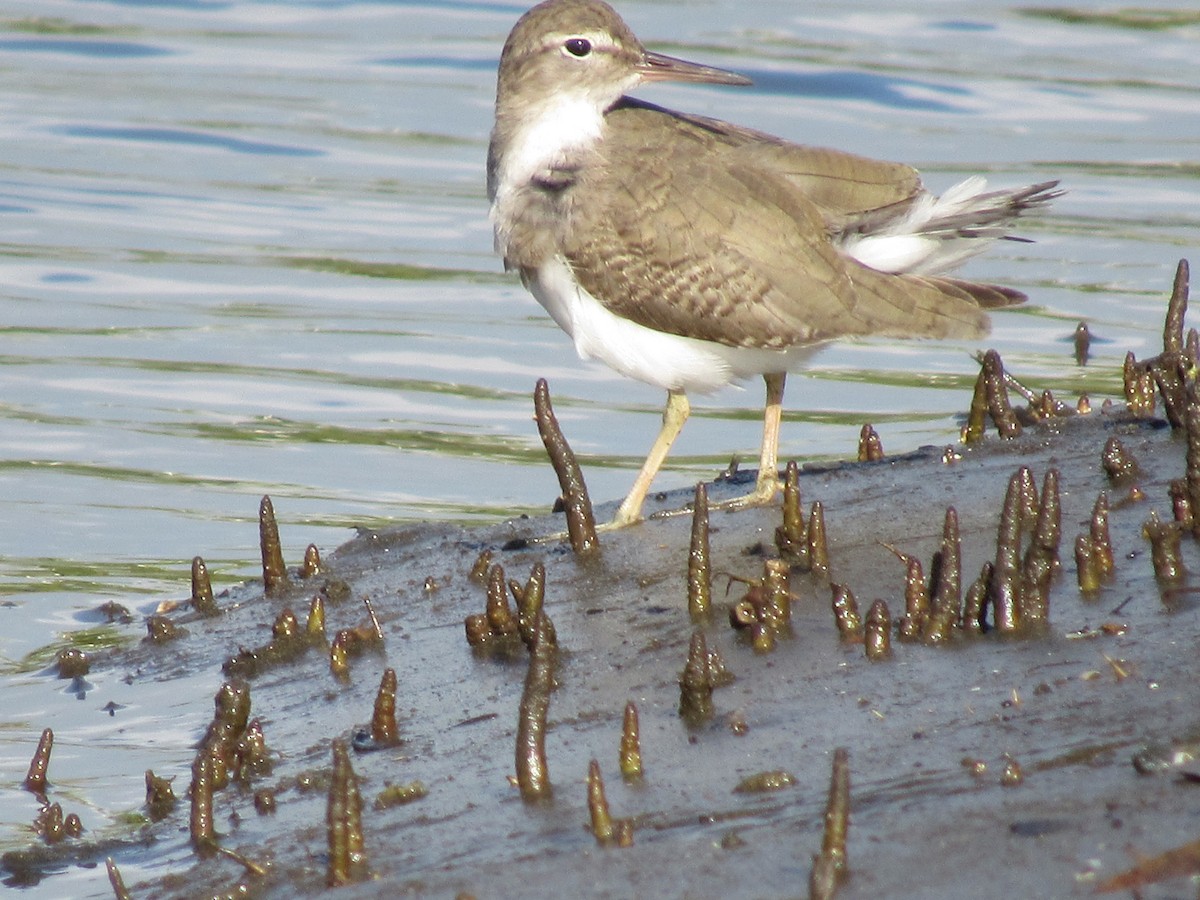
<point x="685" y="230"/>
<point x="841" y="185"/>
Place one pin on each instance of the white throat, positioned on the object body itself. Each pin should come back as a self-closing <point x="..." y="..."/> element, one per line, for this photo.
<point x="564" y="128"/>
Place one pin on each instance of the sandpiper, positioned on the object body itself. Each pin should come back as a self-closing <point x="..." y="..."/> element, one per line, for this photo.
<point x="688" y="252"/>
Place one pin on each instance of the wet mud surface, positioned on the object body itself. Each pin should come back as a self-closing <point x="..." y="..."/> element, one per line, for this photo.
<point x="984" y="766"/>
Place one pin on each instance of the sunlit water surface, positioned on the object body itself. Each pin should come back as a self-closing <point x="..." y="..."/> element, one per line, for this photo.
<point x="245" y="251"/>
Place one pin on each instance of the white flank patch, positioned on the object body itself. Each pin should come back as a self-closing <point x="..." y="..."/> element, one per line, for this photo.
<point x="668" y="361"/>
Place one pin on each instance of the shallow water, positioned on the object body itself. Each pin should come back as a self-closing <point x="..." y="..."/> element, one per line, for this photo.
<point x="246" y="251"/>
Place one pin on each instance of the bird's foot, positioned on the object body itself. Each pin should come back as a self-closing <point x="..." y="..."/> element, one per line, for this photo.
<point x="764" y="493"/>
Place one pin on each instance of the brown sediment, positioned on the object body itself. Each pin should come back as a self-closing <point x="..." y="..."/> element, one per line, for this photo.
<point x="602" y="825"/>
<point x="533" y="773"/>
<point x="335" y="591"/>
<point x="499" y="628"/>
<point x="343" y="819"/>
<point x="314" y="627"/>
<point x="870" y="447"/>
<point x="120" y="892"/>
<point x="339" y="654"/>
<point x="1164" y="538"/>
<point x="481" y="566"/>
<point x="53" y="826"/>
<point x="71" y="663"/>
<point x="846" y="614"/>
<point x="312" y="562"/>
<point x="115" y="612"/>
<point x="761" y="782"/>
<point x="1098" y="531"/>
<point x="718" y="673"/>
<point x="250" y="755"/>
<point x="1181" y="504"/>
<point x="945" y="606"/>
<point x="200" y="822"/>
<point x="1088" y="571"/>
<point x="275" y="577"/>
<point x="1082" y="340"/>
<point x="1119" y="464"/>
<point x="629" y="756"/>
<point x="916" y="596"/>
<point x="160" y="796"/>
<point x="1041" y="559"/>
<point x="766" y="609"/>
<point x="699" y="572"/>
<point x="996" y="388"/>
<point x="877" y="633"/>
<point x="776" y="595"/>
<point x="695" y="683"/>
<point x="1170" y="371"/>
<point x="1005" y="576"/>
<point x="530" y="600"/>
<point x="160" y="630"/>
<point x="976" y="425"/>
<point x="1047" y="529"/>
<point x="762" y="635"/>
<point x="229" y="722"/>
<point x="35" y="778"/>
<point x="831" y="865"/>
<point x="1138" y="386"/>
<point x="202" y="592"/>
<point x="947" y="580"/>
<point x="384" y="731"/>
<point x="608" y="831"/>
<point x="400" y="794"/>
<point x="1176" y="310"/>
<point x="286" y="625"/>
<point x="1011" y="775"/>
<point x="265" y="803"/>
<point x="975" y="767"/>
<point x="581" y="523"/>
<point x="353" y="641"/>
<point x="288" y="643"/>
<point x="1192" y="472"/>
<point x="1029" y="499"/>
<point x="791" y="538"/>
<point x="500" y="615"/>
<point x="975" y="601"/>
<point x="818" y="548"/>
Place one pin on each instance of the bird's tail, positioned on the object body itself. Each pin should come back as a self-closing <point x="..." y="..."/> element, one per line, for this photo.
<point x="932" y="235"/>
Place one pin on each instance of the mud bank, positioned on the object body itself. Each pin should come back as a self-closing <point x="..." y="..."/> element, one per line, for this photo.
<point x="982" y="764"/>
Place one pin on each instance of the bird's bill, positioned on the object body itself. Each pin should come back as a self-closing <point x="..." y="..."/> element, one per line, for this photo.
<point x="660" y="67"/>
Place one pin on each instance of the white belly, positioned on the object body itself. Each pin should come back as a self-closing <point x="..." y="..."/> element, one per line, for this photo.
<point x="668" y="361"/>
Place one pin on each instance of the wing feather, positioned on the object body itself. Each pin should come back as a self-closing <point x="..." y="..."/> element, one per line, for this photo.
<point x="697" y="228"/>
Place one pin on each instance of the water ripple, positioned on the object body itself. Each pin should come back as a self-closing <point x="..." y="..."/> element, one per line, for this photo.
<point x="180" y="136"/>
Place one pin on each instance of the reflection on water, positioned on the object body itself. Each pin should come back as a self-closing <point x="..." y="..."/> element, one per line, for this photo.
<point x="246" y="251"/>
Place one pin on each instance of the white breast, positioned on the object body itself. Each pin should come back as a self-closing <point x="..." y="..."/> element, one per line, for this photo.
<point x="669" y="361"/>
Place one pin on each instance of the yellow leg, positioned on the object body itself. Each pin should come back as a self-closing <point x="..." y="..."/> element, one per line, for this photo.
<point x="674" y="415"/>
<point x="768" y="461"/>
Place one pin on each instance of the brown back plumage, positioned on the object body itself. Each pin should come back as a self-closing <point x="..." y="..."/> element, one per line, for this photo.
<point x="700" y="228"/>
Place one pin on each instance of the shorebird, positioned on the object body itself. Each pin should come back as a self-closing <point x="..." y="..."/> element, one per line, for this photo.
<point x="689" y="253"/>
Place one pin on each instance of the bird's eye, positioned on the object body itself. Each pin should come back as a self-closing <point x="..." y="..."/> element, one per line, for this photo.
<point x="579" y="47"/>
